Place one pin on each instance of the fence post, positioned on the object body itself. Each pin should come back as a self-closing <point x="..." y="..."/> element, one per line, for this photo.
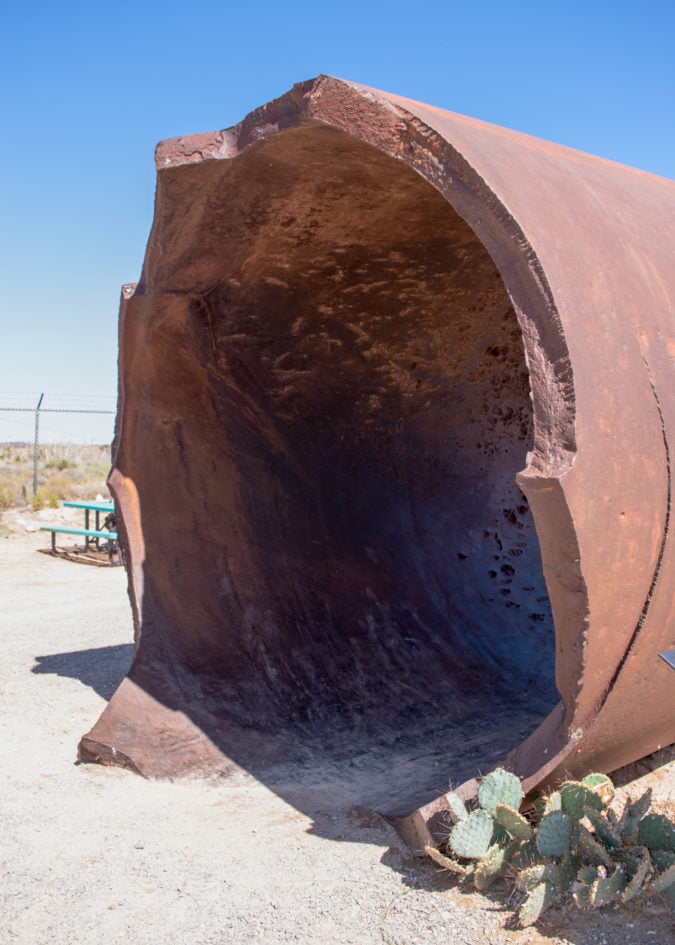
<point x="35" y="447"/>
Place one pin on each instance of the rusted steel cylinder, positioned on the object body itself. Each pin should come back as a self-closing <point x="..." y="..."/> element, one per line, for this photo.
<point x="394" y="446"/>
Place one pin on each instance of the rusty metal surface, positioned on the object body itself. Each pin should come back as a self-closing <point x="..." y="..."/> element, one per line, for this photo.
<point x="394" y="445"/>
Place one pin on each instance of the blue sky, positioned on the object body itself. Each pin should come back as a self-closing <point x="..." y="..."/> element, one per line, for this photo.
<point x="88" y="91"/>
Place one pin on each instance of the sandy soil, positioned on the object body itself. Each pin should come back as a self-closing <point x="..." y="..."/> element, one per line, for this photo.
<point x="96" y="855"/>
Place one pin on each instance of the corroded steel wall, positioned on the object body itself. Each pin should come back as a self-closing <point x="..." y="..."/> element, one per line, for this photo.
<point x="393" y="443"/>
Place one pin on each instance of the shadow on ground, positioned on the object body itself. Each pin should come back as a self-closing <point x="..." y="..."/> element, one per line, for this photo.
<point x="102" y="669"/>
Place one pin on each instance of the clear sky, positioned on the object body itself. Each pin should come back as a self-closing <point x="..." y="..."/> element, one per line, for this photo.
<point x="88" y="90"/>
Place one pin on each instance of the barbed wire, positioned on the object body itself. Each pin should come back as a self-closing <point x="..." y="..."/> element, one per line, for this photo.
<point x="57" y="403"/>
<point x="23" y="402"/>
<point x="48" y="410"/>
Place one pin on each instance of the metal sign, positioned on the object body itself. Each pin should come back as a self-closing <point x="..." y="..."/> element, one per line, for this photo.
<point x="669" y="657"/>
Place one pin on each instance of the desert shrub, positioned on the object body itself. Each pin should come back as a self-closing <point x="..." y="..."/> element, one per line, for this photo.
<point x="65" y="471"/>
<point x="59" y="464"/>
<point x="7" y="497"/>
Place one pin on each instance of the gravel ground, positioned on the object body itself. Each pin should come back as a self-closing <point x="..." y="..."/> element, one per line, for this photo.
<point x="94" y="855"/>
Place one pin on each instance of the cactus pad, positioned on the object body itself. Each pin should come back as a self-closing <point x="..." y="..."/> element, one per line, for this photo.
<point x="553" y="836"/>
<point x="604" y="831"/>
<point x="670" y="896"/>
<point x="456" y="806"/>
<point x="500" y="787"/>
<point x="528" y="879"/>
<point x="592" y="851"/>
<point x="526" y="855"/>
<point x="657" y="833"/>
<point x="513" y="822"/>
<point x="538" y="900"/>
<point x="588" y="875"/>
<point x="601" y="784"/>
<point x="582" y="897"/>
<point x="471" y="837"/>
<point x="446" y="862"/>
<point x="492" y="866"/>
<point x="569" y="867"/>
<point x="637" y="865"/>
<point x="606" y="888"/>
<point x="633" y="813"/>
<point x="575" y="796"/>
<point x="662" y="859"/>
<point x="664" y="881"/>
<point x="553" y="802"/>
<point x="546" y="803"/>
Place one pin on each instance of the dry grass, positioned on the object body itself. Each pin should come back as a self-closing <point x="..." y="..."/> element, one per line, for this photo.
<point x="65" y="472"/>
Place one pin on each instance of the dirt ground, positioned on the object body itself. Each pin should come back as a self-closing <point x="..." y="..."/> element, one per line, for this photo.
<point x="94" y="855"/>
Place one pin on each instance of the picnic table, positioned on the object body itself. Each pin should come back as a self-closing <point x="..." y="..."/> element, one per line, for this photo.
<point x="97" y="507"/>
<point x="89" y="534"/>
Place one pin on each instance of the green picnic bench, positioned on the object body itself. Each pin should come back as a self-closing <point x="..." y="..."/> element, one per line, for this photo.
<point x="89" y="534"/>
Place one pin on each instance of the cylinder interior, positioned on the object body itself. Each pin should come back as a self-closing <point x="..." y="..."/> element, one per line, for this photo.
<point x="335" y="542"/>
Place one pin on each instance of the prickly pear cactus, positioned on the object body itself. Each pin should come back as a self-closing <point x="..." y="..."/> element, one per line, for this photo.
<point x="591" y="851"/>
<point x="456" y="806"/>
<point x="572" y="842"/>
<point x="601" y="784"/>
<point x="587" y="877"/>
<point x="665" y="880"/>
<point x="526" y="855"/>
<point x="547" y="802"/>
<point x="537" y="901"/>
<point x="662" y="860"/>
<point x="530" y="878"/>
<point x="500" y="787"/>
<point x="633" y="813"/>
<point x="569" y="867"/>
<point x="607" y="888"/>
<point x="638" y="865"/>
<point x="604" y="831"/>
<point x="669" y="893"/>
<point x="447" y="863"/>
<point x="492" y="866"/>
<point x="575" y="797"/>
<point x="513" y="822"/>
<point x="553" y="802"/>
<point x="471" y="838"/>
<point x="553" y="836"/>
<point x="657" y="833"/>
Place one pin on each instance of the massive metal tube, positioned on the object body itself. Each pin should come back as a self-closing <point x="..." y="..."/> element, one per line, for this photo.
<point x="393" y="447"/>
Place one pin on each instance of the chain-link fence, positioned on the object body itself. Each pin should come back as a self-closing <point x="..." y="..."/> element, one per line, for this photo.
<point x="11" y="404"/>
